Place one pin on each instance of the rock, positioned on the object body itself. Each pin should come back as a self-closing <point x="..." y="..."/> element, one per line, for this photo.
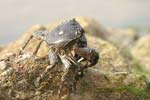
<point x="141" y="52"/>
<point x="111" y="78"/>
<point x="123" y="38"/>
<point x="101" y="86"/>
<point x="22" y="82"/>
<point x="111" y="60"/>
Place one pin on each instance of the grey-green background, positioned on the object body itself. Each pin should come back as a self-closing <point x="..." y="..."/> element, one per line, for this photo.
<point x="16" y="16"/>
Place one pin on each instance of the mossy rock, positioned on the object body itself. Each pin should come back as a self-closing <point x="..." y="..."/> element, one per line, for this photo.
<point x="111" y="78"/>
<point x="123" y="38"/>
<point x="20" y="80"/>
<point x="111" y="58"/>
<point x="141" y="52"/>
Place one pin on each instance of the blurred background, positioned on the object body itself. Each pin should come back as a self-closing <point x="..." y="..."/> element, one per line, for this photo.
<point x="19" y="15"/>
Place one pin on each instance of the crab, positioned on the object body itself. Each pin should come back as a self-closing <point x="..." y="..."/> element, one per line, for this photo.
<point x="67" y="45"/>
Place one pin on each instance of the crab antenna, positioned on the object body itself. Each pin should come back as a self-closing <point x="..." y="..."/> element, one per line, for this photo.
<point x="37" y="48"/>
<point x="25" y="44"/>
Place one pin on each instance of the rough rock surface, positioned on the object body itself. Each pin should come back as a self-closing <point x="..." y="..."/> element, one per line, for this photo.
<point x="141" y="51"/>
<point x="19" y="80"/>
<point x="111" y="79"/>
<point x="122" y="37"/>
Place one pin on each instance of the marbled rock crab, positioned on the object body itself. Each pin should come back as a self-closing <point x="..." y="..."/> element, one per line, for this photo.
<point x="67" y="45"/>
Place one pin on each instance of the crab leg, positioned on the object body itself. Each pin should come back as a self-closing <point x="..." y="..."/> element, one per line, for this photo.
<point x="53" y="58"/>
<point x="25" y="44"/>
<point x="37" y="48"/>
<point x="71" y="68"/>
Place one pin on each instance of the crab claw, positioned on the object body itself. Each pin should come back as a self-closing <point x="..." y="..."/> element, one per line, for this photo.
<point x="91" y="55"/>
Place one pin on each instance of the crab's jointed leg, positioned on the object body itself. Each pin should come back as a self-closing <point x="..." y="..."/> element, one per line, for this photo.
<point x="25" y="44"/>
<point x="38" y="35"/>
<point x="53" y="58"/>
<point x="37" y="48"/>
<point x="70" y="71"/>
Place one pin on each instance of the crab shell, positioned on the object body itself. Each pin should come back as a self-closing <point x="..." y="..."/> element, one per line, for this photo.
<point x="65" y="35"/>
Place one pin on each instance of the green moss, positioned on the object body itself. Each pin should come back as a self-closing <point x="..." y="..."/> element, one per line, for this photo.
<point x="135" y="91"/>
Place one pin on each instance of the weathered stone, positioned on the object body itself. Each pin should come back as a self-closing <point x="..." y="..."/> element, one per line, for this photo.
<point x="110" y="79"/>
<point x="111" y="60"/>
<point x="123" y="38"/>
<point x="23" y="82"/>
<point x="141" y="52"/>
